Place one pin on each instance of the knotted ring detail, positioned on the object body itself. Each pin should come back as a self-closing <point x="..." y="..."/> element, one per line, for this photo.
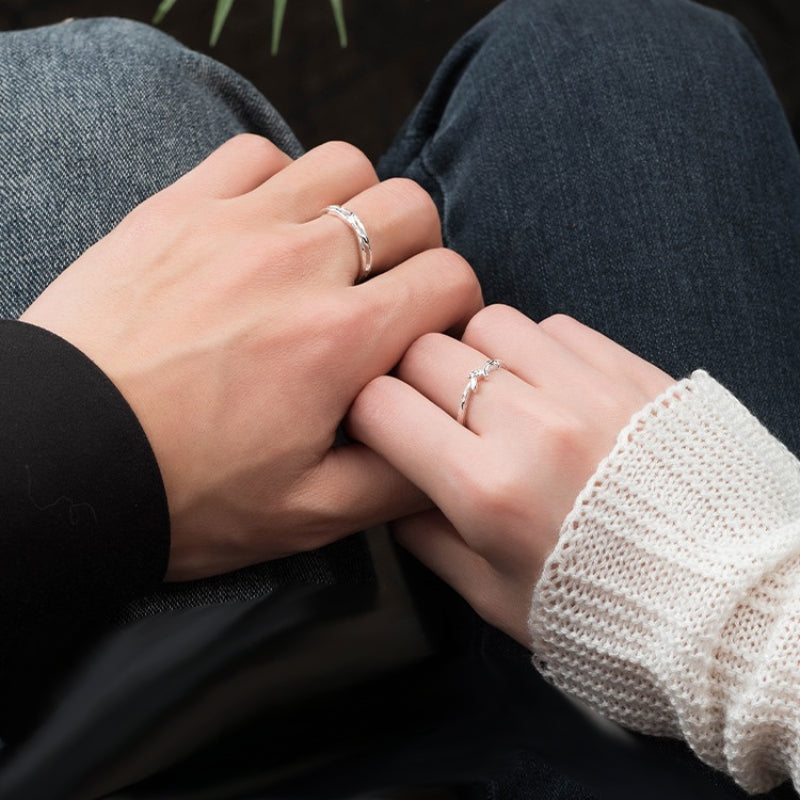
<point x="472" y="386"/>
<point x="364" y="246"/>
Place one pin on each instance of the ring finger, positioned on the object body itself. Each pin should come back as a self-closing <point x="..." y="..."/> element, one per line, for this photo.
<point x="399" y="218"/>
<point x="461" y="380"/>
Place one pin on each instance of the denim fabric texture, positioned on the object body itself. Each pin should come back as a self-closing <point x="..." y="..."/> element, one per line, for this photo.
<point x="97" y="115"/>
<point x="626" y="162"/>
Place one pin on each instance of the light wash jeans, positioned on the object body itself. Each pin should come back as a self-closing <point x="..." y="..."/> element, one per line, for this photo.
<point x="625" y="161"/>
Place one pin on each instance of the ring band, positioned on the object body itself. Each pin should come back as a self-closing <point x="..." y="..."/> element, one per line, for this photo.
<point x="364" y="247"/>
<point x="472" y="386"/>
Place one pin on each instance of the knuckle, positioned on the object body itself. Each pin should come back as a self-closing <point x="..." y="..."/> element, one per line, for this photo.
<point x="559" y="324"/>
<point x="368" y="406"/>
<point x="476" y="327"/>
<point x="421" y="354"/>
<point x="327" y="323"/>
<point x="157" y="215"/>
<point x="451" y="260"/>
<point x="491" y="492"/>
<point x="486" y="321"/>
<point x="252" y="147"/>
<point x="246" y="141"/>
<point x="460" y="273"/>
<point x="422" y="350"/>
<point x="409" y="193"/>
<point x="499" y="497"/>
<point x="562" y="438"/>
<point x="356" y="160"/>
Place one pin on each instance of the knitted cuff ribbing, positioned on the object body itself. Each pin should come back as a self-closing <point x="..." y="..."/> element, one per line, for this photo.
<point x="672" y="601"/>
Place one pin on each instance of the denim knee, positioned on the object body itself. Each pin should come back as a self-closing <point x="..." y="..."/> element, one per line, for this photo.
<point x="618" y="150"/>
<point x="101" y="63"/>
<point x="119" y="89"/>
<point x="541" y="53"/>
<point x="97" y="115"/>
<point x="680" y="26"/>
<point x="87" y="95"/>
<point x="128" y="41"/>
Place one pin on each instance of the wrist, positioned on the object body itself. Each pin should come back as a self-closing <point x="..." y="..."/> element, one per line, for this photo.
<point x="638" y="604"/>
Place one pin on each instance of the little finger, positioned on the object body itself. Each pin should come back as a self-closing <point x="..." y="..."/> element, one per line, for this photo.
<point x="605" y="355"/>
<point x="501" y="599"/>
<point x="430" y="537"/>
<point x="327" y="175"/>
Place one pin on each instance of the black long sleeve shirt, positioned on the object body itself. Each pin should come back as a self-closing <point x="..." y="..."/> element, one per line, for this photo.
<point x="84" y="524"/>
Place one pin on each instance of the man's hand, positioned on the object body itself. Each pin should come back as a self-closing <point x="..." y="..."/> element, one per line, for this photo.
<point x="224" y="310"/>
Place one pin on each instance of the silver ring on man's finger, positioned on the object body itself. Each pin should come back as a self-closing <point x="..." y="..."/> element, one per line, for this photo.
<point x="364" y="246"/>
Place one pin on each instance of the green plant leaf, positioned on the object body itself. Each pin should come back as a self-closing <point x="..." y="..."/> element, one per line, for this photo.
<point x="338" y="15"/>
<point x="220" y="15"/>
<point x="224" y="7"/>
<point x="163" y="7"/>
<point x="278" y="12"/>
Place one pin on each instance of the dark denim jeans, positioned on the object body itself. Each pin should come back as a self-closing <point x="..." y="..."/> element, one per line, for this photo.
<point x="624" y="161"/>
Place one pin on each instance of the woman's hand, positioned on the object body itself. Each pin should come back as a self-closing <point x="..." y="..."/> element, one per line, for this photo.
<point x="534" y="433"/>
<point x="225" y="311"/>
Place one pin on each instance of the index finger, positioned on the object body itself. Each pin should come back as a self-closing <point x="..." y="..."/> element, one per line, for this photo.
<point x="419" y="439"/>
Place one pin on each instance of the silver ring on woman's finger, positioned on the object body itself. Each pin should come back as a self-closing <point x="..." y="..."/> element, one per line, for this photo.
<point x="472" y="386"/>
<point x="364" y="247"/>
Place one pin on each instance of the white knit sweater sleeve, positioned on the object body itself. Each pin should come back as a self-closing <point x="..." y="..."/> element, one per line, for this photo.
<point x="672" y="601"/>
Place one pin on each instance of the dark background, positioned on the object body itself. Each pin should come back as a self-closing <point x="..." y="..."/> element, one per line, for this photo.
<point x="363" y="93"/>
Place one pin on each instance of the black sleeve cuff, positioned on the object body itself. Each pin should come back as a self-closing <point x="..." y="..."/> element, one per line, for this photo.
<point x="84" y="524"/>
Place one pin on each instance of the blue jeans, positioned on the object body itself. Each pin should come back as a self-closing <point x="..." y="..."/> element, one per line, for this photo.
<point x="625" y="162"/>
